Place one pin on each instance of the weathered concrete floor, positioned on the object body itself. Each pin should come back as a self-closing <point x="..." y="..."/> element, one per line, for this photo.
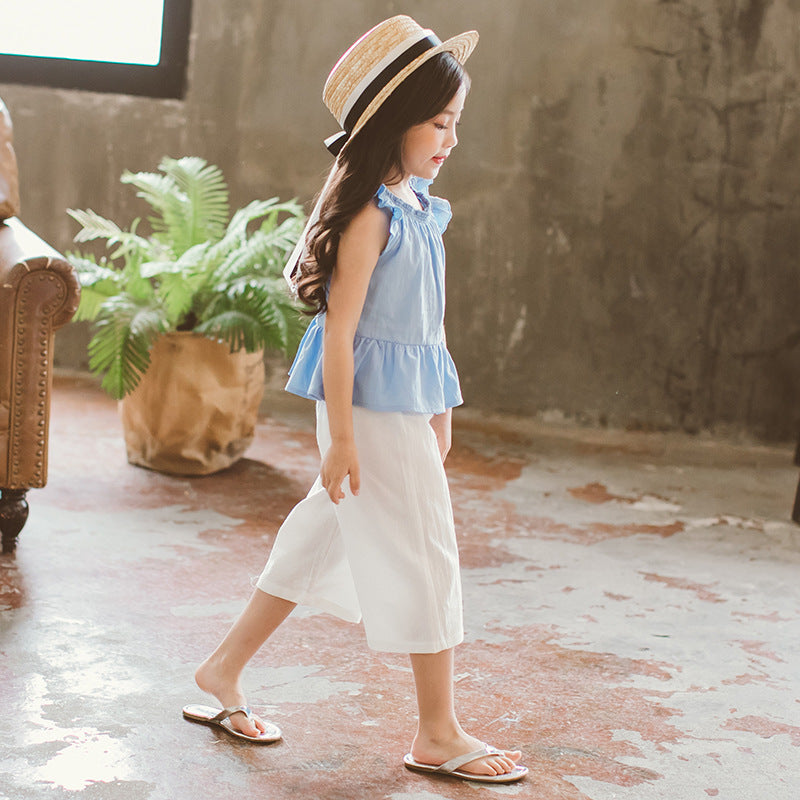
<point x="632" y="611"/>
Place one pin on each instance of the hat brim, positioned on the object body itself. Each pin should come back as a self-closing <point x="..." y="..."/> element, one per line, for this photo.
<point x="460" y="47"/>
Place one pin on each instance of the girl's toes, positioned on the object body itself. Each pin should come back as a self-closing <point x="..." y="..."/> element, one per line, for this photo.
<point x="506" y="762"/>
<point x="493" y="766"/>
<point x="511" y="759"/>
<point x="504" y="765"/>
<point x="482" y="766"/>
<point x="242" y="724"/>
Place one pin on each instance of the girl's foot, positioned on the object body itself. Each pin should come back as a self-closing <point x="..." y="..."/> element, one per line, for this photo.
<point x="212" y="678"/>
<point x="437" y="752"/>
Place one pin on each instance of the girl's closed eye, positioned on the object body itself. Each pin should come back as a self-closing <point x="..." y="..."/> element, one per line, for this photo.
<point x="443" y="126"/>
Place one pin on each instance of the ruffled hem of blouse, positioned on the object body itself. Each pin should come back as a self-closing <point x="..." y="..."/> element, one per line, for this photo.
<point x="409" y="378"/>
<point x="437" y="207"/>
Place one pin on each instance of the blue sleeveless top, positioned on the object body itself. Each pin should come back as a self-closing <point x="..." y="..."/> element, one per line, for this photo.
<point x="400" y="359"/>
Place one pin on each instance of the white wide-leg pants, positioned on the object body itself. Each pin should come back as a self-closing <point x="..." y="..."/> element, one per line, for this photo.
<point x="388" y="555"/>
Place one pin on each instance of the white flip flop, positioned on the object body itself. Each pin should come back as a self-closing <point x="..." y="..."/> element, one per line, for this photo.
<point x="451" y="767"/>
<point x="206" y="715"/>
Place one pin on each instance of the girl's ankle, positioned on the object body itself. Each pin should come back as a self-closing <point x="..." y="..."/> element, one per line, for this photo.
<point x="440" y="734"/>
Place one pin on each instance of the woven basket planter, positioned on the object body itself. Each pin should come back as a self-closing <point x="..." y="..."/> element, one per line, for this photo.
<point x="195" y="410"/>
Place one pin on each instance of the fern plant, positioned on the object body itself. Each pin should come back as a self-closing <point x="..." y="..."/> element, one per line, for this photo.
<point x="199" y="270"/>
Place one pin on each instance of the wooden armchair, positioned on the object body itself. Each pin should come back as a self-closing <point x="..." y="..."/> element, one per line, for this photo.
<point x="39" y="293"/>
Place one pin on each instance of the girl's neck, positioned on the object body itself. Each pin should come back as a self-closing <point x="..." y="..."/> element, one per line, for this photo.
<point x="402" y="188"/>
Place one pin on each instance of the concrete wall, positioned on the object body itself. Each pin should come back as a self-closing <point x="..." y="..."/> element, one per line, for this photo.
<point x="627" y="214"/>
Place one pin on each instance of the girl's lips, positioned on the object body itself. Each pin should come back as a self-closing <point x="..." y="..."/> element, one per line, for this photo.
<point x="439" y="159"/>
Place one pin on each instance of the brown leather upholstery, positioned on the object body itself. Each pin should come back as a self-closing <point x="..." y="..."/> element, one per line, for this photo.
<point x="39" y="293"/>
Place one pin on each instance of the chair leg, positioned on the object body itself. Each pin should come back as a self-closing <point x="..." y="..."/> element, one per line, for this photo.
<point x="13" y="515"/>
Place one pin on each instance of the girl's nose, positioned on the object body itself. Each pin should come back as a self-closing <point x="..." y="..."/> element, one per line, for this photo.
<point x="452" y="139"/>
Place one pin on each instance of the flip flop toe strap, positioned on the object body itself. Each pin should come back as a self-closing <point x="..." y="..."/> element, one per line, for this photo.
<point x="455" y="763"/>
<point x="227" y="712"/>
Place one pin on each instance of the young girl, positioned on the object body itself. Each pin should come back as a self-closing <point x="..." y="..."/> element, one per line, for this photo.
<point x="375" y="536"/>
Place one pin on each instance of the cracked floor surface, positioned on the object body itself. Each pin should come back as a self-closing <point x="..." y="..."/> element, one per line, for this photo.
<point x="631" y="609"/>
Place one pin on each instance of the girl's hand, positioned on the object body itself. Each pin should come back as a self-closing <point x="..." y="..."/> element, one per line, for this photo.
<point x="340" y="461"/>
<point x="442" y="427"/>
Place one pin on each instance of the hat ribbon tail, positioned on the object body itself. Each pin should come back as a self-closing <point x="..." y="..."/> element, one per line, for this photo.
<point x="336" y="142"/>
<point x="290" y="271"/>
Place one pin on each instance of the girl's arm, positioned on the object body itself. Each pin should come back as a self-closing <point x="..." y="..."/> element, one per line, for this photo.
<point x="359" y="247"/>
<point x="442" y="424"/>
<point x="442" y="427"/>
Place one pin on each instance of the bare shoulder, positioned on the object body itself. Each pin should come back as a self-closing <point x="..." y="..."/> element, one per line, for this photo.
<point x="369" y="228"/>
<point x="360" y="246"/>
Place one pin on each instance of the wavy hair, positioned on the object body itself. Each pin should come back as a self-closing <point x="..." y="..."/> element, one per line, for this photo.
<point x="372" y="156"/>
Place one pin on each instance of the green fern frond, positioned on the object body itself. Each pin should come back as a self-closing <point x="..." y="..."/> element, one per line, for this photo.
<point x="249" y="258"/>
<point x="188" y="263"/>
<point x="90" y="271"/>
<point x="98" y="283"/>
<point x="199" y="209"/>
<point x="131" y="245"/>
<point x="125" y="331"/>
<point x="93" y="226"/>
<point x="236" y="328"/>
<point x="268" y="319"/>
<point x="284" y="234"/>
<point x="90" y="303"/>
<point x="236" y="232"/>
<point x="161" y="192"/>
<point x="260" y="284"/>
<point x="237" y="227"/>
<point x="155" y="189"/>
<point x="96" y="227"/>
<point x="262" y="254"/>
<point x="139" y="288"/>
<point x="281" y="239"/>
<point x="178" y="293"/>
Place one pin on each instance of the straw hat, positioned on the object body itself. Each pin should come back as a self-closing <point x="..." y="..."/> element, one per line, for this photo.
<point x="377" y="64"/>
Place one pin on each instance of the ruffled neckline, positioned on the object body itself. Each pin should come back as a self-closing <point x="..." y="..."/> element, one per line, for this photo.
<point x="386" y="197"/>
<point x="433" y="208"/>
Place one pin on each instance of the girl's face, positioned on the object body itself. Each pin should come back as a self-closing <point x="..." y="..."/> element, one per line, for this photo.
<point x="427" y="145"/>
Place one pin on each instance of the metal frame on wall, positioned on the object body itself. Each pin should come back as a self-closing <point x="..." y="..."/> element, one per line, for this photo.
<point x="165" y="79"/>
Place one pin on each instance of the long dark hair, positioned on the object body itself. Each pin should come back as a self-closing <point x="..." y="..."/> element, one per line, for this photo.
<point x="366" y="160"/>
